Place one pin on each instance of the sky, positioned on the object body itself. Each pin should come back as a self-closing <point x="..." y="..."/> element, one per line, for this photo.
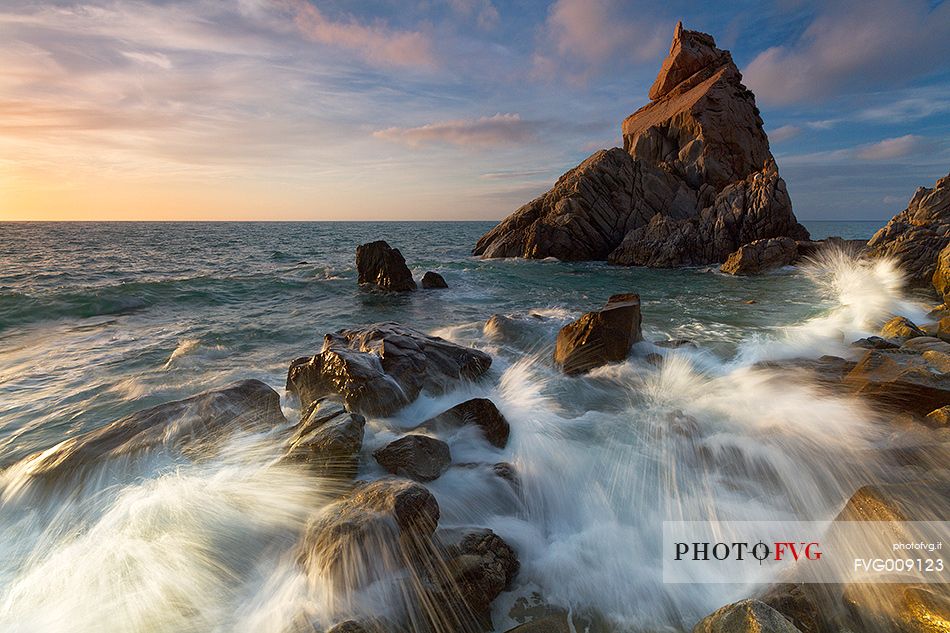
<point x="436" y="109"/>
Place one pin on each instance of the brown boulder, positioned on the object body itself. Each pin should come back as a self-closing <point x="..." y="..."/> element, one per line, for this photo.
<point x="901" y="328"/>
<point x="432" y="280"/>
<point x="384" y="266"/>
<point x="761" y="255"/>
<point x="941" y="278"/>
<point x="380" y="368"/>
<point x="902" y="380"/>
<point x="189" y="425"/>
<point x="418" y="457"/>
<point x="600" y="337"/>
<point x="939" y="418"/>
<point x="328" y="439"/>
<point x="694" y="181"/>
<point x="480" y="412"/>
<point x="917" y="235"/>
<point x="747" y="616"/>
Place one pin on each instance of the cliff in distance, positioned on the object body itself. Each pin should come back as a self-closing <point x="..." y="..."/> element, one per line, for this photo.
<point x="694" y="181"/>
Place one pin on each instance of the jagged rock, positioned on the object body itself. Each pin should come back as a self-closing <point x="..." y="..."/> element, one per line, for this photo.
<point x="901" y="328"/>
<point x="480" y="412"/>
<point x="941" y="278"/>
<point x="378" y="527"/>
<point x="384" y="266"/>
<point x="916" y="235"/>
<point x="328" y="439"/>
<point x="433" y="280"/>
<point x="761" y="255"/>
<point x="181" y="426"/>
<point x="905" y="381"/>
<point x="694" y="181"/>
<point x="380" y="368"/>
<point x="478" y="566"/>
<point x="874" y="342"/>
<point x="747" y="616"/>
<point x="418" y="457"/>
<point x="600" y="337"/>
<point x="939" y="418"/>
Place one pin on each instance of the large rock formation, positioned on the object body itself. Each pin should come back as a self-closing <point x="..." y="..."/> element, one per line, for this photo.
<point x="916" y="235"/>
<point x="694" y="181"/>
<point x="380" y="368"/>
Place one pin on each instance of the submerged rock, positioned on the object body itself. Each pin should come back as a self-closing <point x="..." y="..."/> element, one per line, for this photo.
<point x="384" y="266"/>
<point x="694" y="181"/>
<point x="760" y="256"/>
<point x="433" y="280"/>
<point x="600" y="337"/>
<point x="380" y="368"/>
<point x="418" y="457"/>
<point x="747" y="616"/>
<point x="376" y="529"/>
<point x="189" y="425"/>
<point x="480" y="412"/>
<point x="915" y="236"/>
<point x="901" y="328"/>
<point x="328" y="439"/>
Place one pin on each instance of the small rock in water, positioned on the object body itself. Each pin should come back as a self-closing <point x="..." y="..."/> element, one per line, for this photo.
<point x="418" y="457"/>
<point x="433" y="280"/>
<point x="901" y="328"/>
<point x="751" y="302"/>
<point x="874" y="342"/>
<point x="384" y="266"/>
<point x="676" y="343"/>
<point x="598" y="338"/>
<point x="760" y="256"/>
<point x="481" y="412"/>
<point x="747" y="616"/>
<point x="654" y="359"/>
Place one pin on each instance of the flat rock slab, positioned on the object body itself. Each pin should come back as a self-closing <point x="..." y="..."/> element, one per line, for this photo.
<point x="380" y="368"/>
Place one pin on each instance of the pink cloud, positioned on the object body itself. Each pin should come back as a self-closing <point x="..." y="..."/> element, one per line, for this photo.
<point x="845" y="48"/>
<point x="376" y="43"/>
<point x="892" y="148"/>
<point x="580" y="36"/>
<point x="499" y="129"/>
<point x="784" y="133"/>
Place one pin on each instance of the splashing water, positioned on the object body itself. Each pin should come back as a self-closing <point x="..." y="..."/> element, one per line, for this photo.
<point x="210" y="542"/>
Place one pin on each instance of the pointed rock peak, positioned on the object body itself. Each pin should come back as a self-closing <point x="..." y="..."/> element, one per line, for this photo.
<point x="690" y="53"/>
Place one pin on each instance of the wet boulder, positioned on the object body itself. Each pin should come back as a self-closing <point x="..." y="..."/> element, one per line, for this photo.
<point x="192" y="425"/>
<point x="747" y="616"/>
<point x="602" y="337"/>
<point x="899" y="379"/>
<point x="480" y="412"/>
<point x="328" y="439"/>
<point x="432" y="280"/>
<point x="939" y="418"/>
<point x="379" y="527"/>
<point x="901" y="329"/>
<point x="941" y="277"/>
<point x="760" y="256"/>
<point x="874" y="342"/>
<point x="898" y="608"/>
<point x="380" y="368"/>
<point x="380" y="264"/>
<point x="477" y="565"/>
<point x="417" y="457"/>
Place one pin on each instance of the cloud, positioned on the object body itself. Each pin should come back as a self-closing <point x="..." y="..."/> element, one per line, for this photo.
<point x="784" y="133"/>
<point x="155" y="59"/>
<point x="376" y="43"/>
<point x="579" y="37"/>
<point x="892" y="148"/>
<point x="849" y="47"/>
<point x="485" y="14"/>
<point x="488" y="131"/>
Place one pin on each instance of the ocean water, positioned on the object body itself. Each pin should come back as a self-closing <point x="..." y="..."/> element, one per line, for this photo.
<point x="101" y="319"/>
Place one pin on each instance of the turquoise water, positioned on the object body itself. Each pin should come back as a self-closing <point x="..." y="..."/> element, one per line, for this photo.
<point x="91" y="313"/>
<point x="99" y="320"/>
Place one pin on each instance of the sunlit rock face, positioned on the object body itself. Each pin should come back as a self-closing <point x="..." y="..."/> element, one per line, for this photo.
<point x="694" y="181"/>
<point x="915" y="236"/>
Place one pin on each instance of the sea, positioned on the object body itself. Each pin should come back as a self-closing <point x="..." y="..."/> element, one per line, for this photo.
<point x="98" y="320"/>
